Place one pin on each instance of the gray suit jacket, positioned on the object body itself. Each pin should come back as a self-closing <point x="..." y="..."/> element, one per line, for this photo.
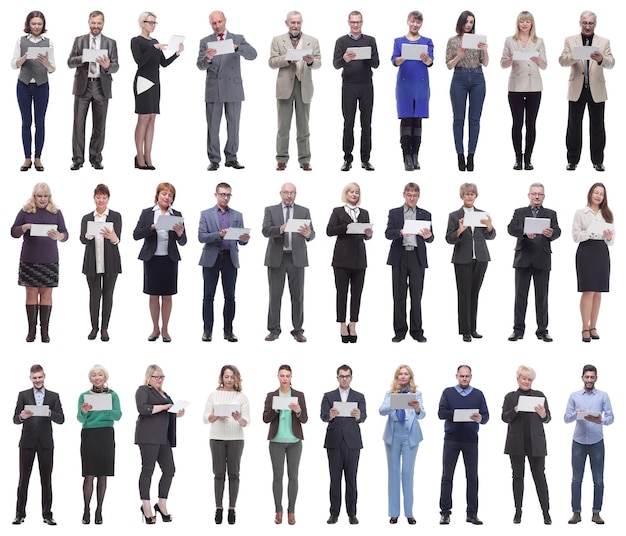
<point x="223" y="74"/>
<point x="209" y="235"/>
<point x="468" y="244"/>
<point x="287" y="70"/>
<point x="272" y="221"/>
<point x="82" y="69"/>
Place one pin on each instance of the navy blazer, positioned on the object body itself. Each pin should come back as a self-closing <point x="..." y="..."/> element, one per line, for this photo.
<point x="272" y="220"/>
<point x="395" y="224"/>
<point x="209" y="235"/>
<point x="349" y="248"/>
<point x="515" y="440"/>
<point x="38" y="430"/>
<point x="154" y="428"/>
<point x="82" y="68"/>
<point x="464" y="247"/>
<point x="112" y="262"/>
<point x="536" y="252"/>
<point x="272" y="416"/>
<point x="223" y="74"/>
<point x="144" y="230"/>
<point x="342" y="428"/>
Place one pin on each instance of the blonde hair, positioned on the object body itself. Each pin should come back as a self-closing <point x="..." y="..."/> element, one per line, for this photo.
<point x="31" y="206"/>
<point x="523" y="370"/>
<point x="150" y="371"/>
<point x="526" y="15"/>
<point x="395" y="386"/>
<point x="347" y="188"/>
<point x="143" y="16"/>
<point x="238" y="383"/>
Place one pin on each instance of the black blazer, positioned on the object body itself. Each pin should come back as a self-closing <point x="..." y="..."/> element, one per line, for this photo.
<point x="515" y="439"/>
<point x="112" y="262"/>
<point x="272" y="417"/>
<point x="536" y="252"/>
<point x="38" y="430"/>
<point x="158" y="428"/>
<point x="349" y="248"/>
<point x="464" y="247"/>
<point x="144" y="230"/>
<point x="395" y="224"/>
<point x="342" y="428"/>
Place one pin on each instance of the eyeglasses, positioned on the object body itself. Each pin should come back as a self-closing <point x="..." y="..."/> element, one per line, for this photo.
<point x="411" y="196"/>
<point x="344" y="376"/>
<point x="590" y="24"/>
<point x="288" y="193"/>
<point x="224" y="195"/>
<point x="158" y="378"/>
<point x="355" y="22"/>
<point x="151" y="22"/>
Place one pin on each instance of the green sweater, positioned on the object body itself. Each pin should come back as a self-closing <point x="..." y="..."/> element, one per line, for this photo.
<point x="99" y="419"/>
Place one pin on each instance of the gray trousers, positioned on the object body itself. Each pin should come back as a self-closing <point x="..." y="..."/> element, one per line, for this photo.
<point x="278" y="453"/>
<point x="276" y="279"/>
<point x="99" y="106"/>
<point x="213" y="121"/>
<point x="285" y="112"/>
<point x="226" y="458"/>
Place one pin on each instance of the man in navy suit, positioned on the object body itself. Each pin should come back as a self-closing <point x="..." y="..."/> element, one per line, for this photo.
<point x="407" y="257"/>
<point x="533" y="260"/>
<point x="343" y="443"/>
<point x="36" y="440"/>
<point x="220" y="256"/>
<point x="92" y="85"/>
<point x="224" y="90"/>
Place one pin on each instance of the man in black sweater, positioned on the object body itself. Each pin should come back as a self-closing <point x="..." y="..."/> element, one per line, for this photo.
<point x="357" y="87"/>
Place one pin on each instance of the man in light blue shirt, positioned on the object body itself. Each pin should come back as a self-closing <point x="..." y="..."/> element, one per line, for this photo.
<point x="591" y="409"/>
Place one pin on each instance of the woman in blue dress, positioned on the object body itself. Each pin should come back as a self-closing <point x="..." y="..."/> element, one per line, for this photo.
<point x="412" y="89"/>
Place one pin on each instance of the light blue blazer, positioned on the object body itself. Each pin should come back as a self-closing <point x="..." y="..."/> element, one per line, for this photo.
<point x="209" y="235"/>
<point x="415" y="432"/>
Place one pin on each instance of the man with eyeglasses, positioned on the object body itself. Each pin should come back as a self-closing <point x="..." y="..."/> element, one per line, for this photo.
<point x="343" y="409"/>
<point x="357" y="87"/>
<point x="533" y="260"/>
<point x="286" y="255"/>
<point x="587" y="89"/>
<point x="220" y="256"/>
<point x="408" y="261"/>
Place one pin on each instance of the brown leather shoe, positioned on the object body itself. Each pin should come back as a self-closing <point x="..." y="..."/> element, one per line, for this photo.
<point x="278" y="518"/>
<point x="575" y="518"/>
<point x="306" y="167"/>
<point x="271" y="336"/>
<point x="299" y="336"/>
<point x="281" y="166"/>
<point x="291" y="518"/>
<point x="597" y="519"/>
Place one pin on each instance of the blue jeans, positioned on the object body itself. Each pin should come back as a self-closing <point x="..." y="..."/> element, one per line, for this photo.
<point x="596" y="460"/>
<point x="29" y="97"/>
<point x="401" y="468"/>
<point x="467" y="82"/>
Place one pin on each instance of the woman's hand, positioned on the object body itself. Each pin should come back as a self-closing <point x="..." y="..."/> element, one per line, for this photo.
<point x="55" y="235"/>
<point x="160" y="46"/>
<point x="26" y="227"/>
<point x="21" y="60"/>
<point x="109" y="234"/>
<point x="85" y="407"/>
<point x="179" y="229"/>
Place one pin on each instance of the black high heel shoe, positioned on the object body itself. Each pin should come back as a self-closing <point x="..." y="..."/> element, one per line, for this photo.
<point x="98" y="517"/>
<point x="352" y="338"/>
<point x="165" y="517"/>
<point x="346" y="338"/>
<point x="26" y="167"/>
<point x="149" y="520"/>
<point x="137" y="166"/>
<point x="86" y="516"/>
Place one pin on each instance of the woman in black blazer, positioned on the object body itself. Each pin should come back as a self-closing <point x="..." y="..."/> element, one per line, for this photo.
<point x="525" y="437"/>
<point x="470" y="258"/>
<point x="349" y="259"/>
<point x="155" y="434"/>
<point x="160" y="255"/>
<point x="101" y="263"/>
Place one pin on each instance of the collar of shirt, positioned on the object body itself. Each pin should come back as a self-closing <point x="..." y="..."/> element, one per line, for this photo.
<point x="105" y="213"/>
<point x="157" y="207"/>
<point x="223" y="35"/>
<point x="532" y="207"/>
<point x="464" y="391"/>
<point x="587" y="37"/>
<point x="286" y="206"/>
<point x="344" y="394"/>
<point x="412" y="210"/>
<point x="34" y="39"/>
<point x="355" y="37"/>
<point x="222" y="211"/>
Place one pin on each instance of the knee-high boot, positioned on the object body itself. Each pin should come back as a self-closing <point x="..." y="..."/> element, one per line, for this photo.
<point x="44" y="321"/>
<point x="31" y="313"/>
<point x="416" y="141"/>
<point x="405" y="143"/>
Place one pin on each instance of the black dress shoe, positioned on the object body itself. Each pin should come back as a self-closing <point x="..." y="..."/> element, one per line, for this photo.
<point x="353" y="520"/>
<point x="444" y="519"/>
<point x="104" y="335"/>
<point x="420" y="338"/>
<point x="49" y="521"/>
<point x="213" y="166"/>
<point x="476" y="335"/>
<point x="467" y="337"/>
<point x="93" y="334"/>
<point x="206" y="336"/>
<point x="518" y="165"/>
<point x="473" y="520"/>
<point x="528" y="166"/>
<point x="547" y="520"/>
<point x="515" y="336"/>
<point x="332" y="520"/>
<point x="18" y="520"/>
<point x="571" y="166"/>
<point x="219" y="513"/>
<point x="234" y="164"/>
<point x="230" y="337"/>
<point x="76" y="166"/>
<point x="367" y="166"/>
<point x="411" y="520"/>
<point x="393" y="520"/>
<point x="598" y="167"/>
<point x="408" y="163"/>
<point x="97" y="165"/>
<point x="461" y="160"/>
<point x="470" y="162"/>
<point x="231" y="516"/>
<point x="346" y="166"/>
<point x="517" y="518"/>
<point x="398" y="338"/>
<point x="545" y="337"/>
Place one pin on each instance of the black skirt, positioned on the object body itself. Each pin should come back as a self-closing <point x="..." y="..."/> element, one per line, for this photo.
<point x="39" y="275"/>
<point x="593" y="266"/>
<point x="160" y="276"/>
<point x="97" y="450"/>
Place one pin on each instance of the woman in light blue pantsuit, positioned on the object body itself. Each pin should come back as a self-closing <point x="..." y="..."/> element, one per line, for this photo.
<point x="402" y="437"/>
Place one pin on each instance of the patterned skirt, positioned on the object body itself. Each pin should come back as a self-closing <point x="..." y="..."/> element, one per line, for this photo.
<point x="34" y="274"/>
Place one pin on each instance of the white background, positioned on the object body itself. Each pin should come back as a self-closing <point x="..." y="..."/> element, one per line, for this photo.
<point x="192" y="366"/>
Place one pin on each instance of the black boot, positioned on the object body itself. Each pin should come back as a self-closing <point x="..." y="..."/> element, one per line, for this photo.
<point x="31" y="313"/>
<point x="44" y="320"/>
<point x="518" y="162"/>
<point x="470" y="161"/>
<point x="461" y="159"/>
<point x="416" y="141"/>
<point x="405" y="143"/>
<point x="527" y="165"/>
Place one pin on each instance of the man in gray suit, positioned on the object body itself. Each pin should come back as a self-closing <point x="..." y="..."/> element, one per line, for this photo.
<point x="224" y="90"/>
<point x="294" y="88"/>
<point x="92" y="85"/>
<point x="220" y="256"/>
<point x="286" y="255"/>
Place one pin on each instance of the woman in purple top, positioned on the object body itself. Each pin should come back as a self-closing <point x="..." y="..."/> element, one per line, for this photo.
<point x="41" y="224"/>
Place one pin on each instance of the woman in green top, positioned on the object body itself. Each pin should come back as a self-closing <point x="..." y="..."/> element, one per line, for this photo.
<point x="97" y="447"/>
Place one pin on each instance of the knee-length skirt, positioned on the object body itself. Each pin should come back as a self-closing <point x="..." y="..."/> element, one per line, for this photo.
<point x="97" y="451"/>
<point x="593" y="266"/>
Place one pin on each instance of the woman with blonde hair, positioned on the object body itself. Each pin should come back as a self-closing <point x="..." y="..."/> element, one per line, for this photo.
<point x="402" y="437"/>
<point x="41" y="225"/>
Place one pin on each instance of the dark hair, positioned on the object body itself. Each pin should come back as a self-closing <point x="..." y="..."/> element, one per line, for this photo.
<point x="96" y="14"/>
<point x="607" y="214"/>
<point x="284" y="367"/>
<point x="102" y="189"/>
<point x="590" y="368"/>
<point x="36" y="368"/>
<point x="224" y="185"/>
<point x="31" y="16"/>
<point x="464" y="366"/>
<point x="462" y="20"/>
<point x="344" y="367"/>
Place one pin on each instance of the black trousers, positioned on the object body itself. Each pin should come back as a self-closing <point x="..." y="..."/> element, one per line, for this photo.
<point x="451" y="451"/>
<point x="407" y="275"/>
<point x="150" y="455"/>
<point x="597" y="134"/>
<point x="101" y="287"/>
<point x="524" y="103"/>
<point x="45" y="460"/>
<point x="343" y="461"/>
<point x="541" y="279"/>
<point x="351" y="96"/>
<point x="347" y="278"/>
<point x="537" y="468"/>
<point x="469" y="279"/>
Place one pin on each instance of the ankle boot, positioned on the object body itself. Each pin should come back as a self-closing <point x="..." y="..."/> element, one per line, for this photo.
<point x="416" y="141"/>
<point x="527" y="165"/>
<point x="44" y="320"/>
<point x="461" y="159"/>
<point x="518" y="162"/>
<point x="31" y="313"/>
<point x="470" y="161"/>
